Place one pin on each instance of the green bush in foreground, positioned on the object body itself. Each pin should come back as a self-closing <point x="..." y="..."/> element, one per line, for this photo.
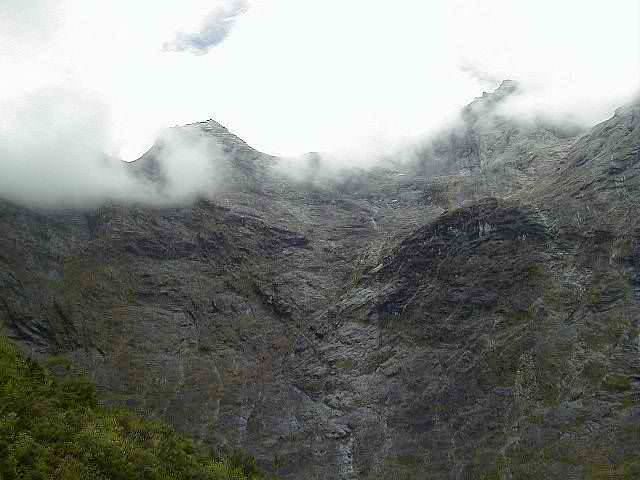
<point x="52" y="429"/>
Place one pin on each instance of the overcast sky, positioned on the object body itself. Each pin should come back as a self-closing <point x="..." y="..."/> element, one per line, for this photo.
<point x="291" y="76"/>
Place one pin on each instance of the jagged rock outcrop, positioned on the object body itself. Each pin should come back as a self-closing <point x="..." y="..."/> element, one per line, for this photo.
<point x="481" y="323"/>
<point x="500" y="147"/>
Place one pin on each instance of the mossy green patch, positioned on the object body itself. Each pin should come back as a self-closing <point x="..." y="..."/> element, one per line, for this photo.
<point x="345" y="364"/>
<point x="376" y="359"/>
<point x="55" y="429"/>
<point x="617" y="382"/>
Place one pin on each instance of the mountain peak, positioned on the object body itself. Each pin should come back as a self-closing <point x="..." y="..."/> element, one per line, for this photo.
<point x="489" y="100"/>
<point x="508" y="86"/>
<point x="209" y="126"/>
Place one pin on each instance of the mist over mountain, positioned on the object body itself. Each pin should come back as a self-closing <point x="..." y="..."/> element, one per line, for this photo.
<point x="59" y="151"/>
<point x="461" y="304"/>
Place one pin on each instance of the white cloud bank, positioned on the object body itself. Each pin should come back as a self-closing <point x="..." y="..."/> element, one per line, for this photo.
<point x="54" y="146"/>
<point x="355" y="77"/>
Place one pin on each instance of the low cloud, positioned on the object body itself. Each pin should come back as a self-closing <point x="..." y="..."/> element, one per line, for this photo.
<point x="52" y="146"/>
<point x="216" y="26"/>
<point x="54" y="152"/>
<point x="180" y="166"/>
<point x="484" y="78"/>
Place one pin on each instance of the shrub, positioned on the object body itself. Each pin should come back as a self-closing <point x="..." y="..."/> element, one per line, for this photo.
<point x="55" y="429"/>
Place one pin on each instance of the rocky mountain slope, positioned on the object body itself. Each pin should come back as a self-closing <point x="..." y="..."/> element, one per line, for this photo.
<point x="471" y="314"/>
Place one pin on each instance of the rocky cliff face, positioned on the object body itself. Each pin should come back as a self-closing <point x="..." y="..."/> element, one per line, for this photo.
<point x="477" y="320"/>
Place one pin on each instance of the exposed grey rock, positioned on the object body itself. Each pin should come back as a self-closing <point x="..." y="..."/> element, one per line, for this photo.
<point x="435" y="324"/>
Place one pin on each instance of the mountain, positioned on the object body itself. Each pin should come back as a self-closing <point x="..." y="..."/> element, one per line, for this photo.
<point x="471" y="313"/>
<point x="243" y="167"/>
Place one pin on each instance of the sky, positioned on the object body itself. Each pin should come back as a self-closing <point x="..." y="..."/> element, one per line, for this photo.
<point x="292" y="76"/>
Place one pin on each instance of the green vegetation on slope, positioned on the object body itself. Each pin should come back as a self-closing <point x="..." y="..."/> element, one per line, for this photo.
<point x="54" y="429"/>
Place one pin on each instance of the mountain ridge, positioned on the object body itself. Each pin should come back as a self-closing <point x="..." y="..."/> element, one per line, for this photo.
<point x="476" y="316"/>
